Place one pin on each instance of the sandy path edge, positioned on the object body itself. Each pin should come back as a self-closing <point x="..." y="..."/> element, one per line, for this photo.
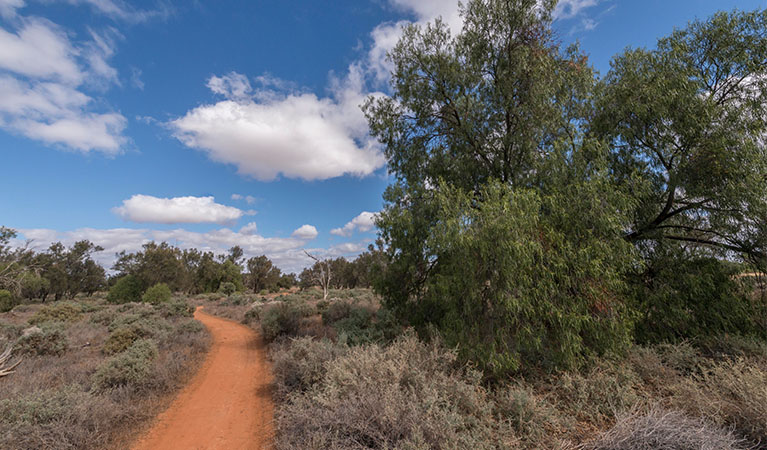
<point x="228" y="403"/>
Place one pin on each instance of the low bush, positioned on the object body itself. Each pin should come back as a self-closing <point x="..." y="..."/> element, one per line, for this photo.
<point x="336" y="311"/>
<point x="299" y="364"/>
<point x="129" y="368"/>
<point x="281" y="319"/>
<point x="659" y="429"/>
<point x="175" y="308"/>
<point x="408" y="395"/>
<point x="122" y="338"/>
<point x="159" y="293"/>
<point x="57" y="312"/>
<point x="127" y="289"/>
<point x="43" y="341"/>
<point x="7" y="301"/>
<point x="190" y="326"/>
<point x="534" y="420"/>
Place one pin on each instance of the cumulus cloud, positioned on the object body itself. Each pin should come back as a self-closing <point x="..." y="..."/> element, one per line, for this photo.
<point x="286" y="253"/>
<point x="42" y="80"/>
<point x="250" y="228"/>
<point x="294" y="135"/>
<point x="567" y="9"/>
<point x="145" y="208"/>
<point x="305" y="232"/>
<point x="8" y="7"/>
<point x="365" y="221"/>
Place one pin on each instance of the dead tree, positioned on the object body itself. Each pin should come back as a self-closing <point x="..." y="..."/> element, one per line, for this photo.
<point x="6" y="368"/>
<point x="323" y="276"/>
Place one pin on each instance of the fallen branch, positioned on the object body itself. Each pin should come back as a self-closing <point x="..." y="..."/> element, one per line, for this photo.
<point x="4" y="358"/>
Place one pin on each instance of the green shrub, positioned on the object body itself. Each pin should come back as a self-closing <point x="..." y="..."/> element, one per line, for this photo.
<point x="513" y="277"/>
<point x="145" y="325"/>
<point x="679" y="297"/>
<point x="159" y="293"/>
<point x="336" y="311"/>
<point x="175" y="308"/>
<point x="122" y="338"/>
<point x="103" y="317"/>
<point x="7" y="301"/>
<point x="129" y="368"/>
<point x="57" y="312"/>
<point x="41" y="407"/>
<point x="45" y="341"/>
<point x="281" y="319"/>
<point x="227" y="288"/>
<point x="127" y="289"/>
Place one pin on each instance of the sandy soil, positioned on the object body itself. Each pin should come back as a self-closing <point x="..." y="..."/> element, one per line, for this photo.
<point x="228" y="404"/>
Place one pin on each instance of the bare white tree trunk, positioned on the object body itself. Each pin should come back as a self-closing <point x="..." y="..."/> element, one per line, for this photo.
<point x="5" y="367"/>
<point x="325" y="275"/>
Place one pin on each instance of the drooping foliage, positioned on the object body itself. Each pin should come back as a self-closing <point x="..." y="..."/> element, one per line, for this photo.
<point x="529" y="196"/>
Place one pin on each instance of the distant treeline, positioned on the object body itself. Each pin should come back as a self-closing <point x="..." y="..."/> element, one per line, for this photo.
<point x="60" y="272"/>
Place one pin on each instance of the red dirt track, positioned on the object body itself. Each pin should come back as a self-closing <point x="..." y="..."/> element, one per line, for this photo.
<point x="228" y="403"/>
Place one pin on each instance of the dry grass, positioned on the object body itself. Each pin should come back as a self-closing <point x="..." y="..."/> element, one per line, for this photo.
<point x="53" y="399"/>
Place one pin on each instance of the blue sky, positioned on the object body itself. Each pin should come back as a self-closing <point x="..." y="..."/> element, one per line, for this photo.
<point x="210" y="123"/>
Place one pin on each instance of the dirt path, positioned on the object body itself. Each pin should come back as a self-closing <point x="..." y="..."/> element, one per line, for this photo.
<point x="228" y="404"/>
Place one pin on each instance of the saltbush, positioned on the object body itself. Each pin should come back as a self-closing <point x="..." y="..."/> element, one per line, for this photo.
<point x="299" y="364"/>
<point x="175" y="308"/>
<point x="408" y="395"/>
<point x="45" y="341"/>
<point x="129" y="368"/>
<point x="127" y="289"/>
<point x="57" y="312"/>
<point x="159" y="293"/>
<point x="122" y="338"/>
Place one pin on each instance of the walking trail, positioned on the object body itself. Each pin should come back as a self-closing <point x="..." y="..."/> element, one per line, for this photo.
<point x="228" y="404"/>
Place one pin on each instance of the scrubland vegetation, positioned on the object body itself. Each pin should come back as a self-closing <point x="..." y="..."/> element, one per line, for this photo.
<point x="564" y="261"/>
<point x="91" y="372"/>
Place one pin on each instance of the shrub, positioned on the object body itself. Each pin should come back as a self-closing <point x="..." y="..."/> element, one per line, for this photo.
<point x="336" y="311"/>
<point x="408" y="395"/>
<point x="103" y="317"/>
<point x="732" y="394"/>
<point x="7" y="301"/>
<point x="45" y="341"/>
<point x="227" y="288"/>
<point x="281" y="319"/>
<point x="190" y="326"/>
<point x="127" y="289"/>
<point x="129" y="368"/>
<point x="658" y="429"/>
<point x="122" y="338"/>
<point x="145" y="326"/>
<point x="299" y="364"/>
<point x="534" y="420"/>
<point x="57" y="312"/>
<point x="159" y="293"/>
<point x="175" y="308"/>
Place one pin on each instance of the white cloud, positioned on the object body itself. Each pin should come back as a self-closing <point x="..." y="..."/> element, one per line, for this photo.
<point x="305" y="232"/>
<point x="249" y="199"/>
<point x="365" y="221"/>
<point x="294" y="135"/>
<point x="286" y="253"/>
<point x="118" y="9"/>
<point x="41" y="95"/>
<point x="233" y="86"/>
<point x="145" y="208"/>
<point x="250" y="228"/>
<point x="567" y="9"/>
<point x="8" y="7"/>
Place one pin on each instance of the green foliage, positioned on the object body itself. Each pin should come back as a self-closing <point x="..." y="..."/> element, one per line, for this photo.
<point x="122" y="338"/>
<point x="190" y="326"/>
<point x="281" y="319"/>
<point x="57" y="312"/>
<point x="129" y="368"/>
<point x="681" y="297"/>
<point x="159" y="293"/>
<point x="45" y="341"/>
<point x="175" y="308"/>
<point x="127" y="289"/>
<point x="227" y="288"/>
<point x="7" y="301"/>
